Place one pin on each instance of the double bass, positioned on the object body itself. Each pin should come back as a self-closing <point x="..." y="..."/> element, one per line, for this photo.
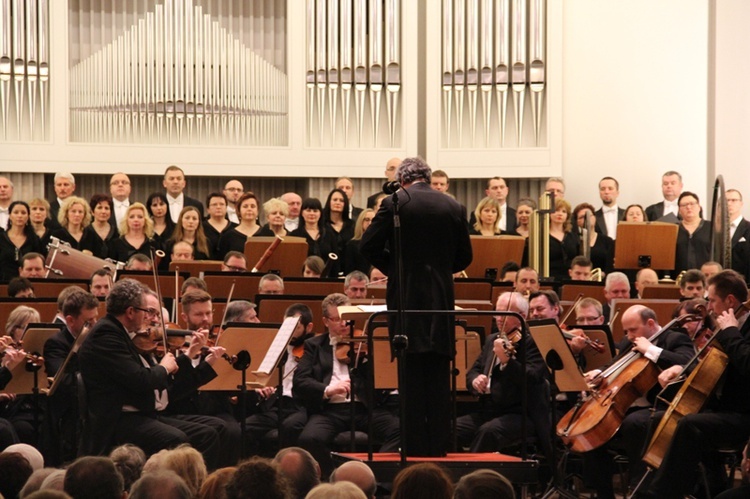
<point x="595" y="420"/>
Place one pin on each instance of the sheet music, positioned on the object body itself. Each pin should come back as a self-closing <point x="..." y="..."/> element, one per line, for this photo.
<point x="278" y="346"/>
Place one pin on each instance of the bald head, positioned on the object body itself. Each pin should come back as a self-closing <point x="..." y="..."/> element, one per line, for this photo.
<point x="357" y="473"/>
<point x="645" y="277"/>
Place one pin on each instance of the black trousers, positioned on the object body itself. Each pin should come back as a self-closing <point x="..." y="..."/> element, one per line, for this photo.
<point x="428" y="404"/>
<point x="321" y="430"/>
<point x="294" y="417"/>
<point x="482" y="434"/>
<point x="7" y="434"/>
<point x="153" y="433"/>
<point x="696" y="435"/>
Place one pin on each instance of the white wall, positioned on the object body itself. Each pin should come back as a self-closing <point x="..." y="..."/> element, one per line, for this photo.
<point x="731" y="134"/>
<point x="634" y="96"/>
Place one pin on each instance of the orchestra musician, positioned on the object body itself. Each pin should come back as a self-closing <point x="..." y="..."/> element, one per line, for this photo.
<point x="11" y="357"/>
<point x="726" y="421"/>
<point x="672" y="347"/>
<point x="293" y="413"/>
<point x="327" y="385"/>
<point x="126" y="393"/>
<point x="496" y="377"/>
<point x="80" y="311"/>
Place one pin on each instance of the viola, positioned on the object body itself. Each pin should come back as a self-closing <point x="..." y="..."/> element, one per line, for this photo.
<point x="356" y="345"/>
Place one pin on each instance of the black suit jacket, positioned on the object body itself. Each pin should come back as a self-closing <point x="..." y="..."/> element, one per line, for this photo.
<point x="655" y="211"/>
<point x="601" y="225"/>
<point x="314" y="371"/>
<point x="732" y="394"/>
<point x="435" y="245"/>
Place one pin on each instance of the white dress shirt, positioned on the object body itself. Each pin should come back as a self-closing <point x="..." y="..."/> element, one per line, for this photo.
<point x="610" y="220"/>
<point x="504" y="217"/>
<point x="175" y="206"/>
<point x="232" y="215"/>
<point x="671" y="207"/>
<point x="120" y="208"/>
<point x="4" y="216"/>
<point x="733" y="226"/>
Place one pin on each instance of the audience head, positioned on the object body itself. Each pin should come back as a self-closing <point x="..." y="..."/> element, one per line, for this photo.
<point x="484" y="484"/>
<point x="15" y="469"/>
<point x="35" y="481"/>
<point x="214" y="486"/>
<point x="234" y="261"/>
<point x="55" y="481"/>
<point x="271" y="284"/>
<point x="300" y="468"/>
<point x="162" y="484"/>
<point x="340" y="490"/>
<point x="422" y="481"/>
<point x="93" y="477"/>
<point x="129" y="461"/>
<point x="357" y="473"/>
<point x="257" y="477"/>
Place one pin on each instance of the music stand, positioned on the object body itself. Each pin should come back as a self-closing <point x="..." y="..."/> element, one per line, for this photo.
<point x="566" y="374"/>
<point x="661" y="292"/>
<point x="25" y="381"/>
<point x="646" y="244"/>
<point x="491" y="253"/>
<point x="287" y="259"/>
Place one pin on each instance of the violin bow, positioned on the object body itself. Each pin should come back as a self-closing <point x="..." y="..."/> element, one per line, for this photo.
<point x="226" y="309"/>
<point x="157" y="285"/>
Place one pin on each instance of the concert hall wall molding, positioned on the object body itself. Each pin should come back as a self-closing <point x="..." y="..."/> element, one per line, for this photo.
<point x="268" y="88"/>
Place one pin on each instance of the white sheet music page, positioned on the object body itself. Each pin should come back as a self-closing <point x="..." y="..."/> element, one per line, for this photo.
<point x="276" y="350"/>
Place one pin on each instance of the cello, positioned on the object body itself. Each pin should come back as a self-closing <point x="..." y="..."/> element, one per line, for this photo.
<point x="692" y="395"/>
<point x="593" y="422"/>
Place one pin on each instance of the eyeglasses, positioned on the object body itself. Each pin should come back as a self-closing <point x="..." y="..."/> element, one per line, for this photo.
<point x="232" y="268"/>
<point x="586" y="320"/>
<point x="149" y="311"/>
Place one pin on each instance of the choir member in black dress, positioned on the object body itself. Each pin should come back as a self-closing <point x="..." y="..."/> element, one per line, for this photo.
<point x="524" y="210"/>
<point x="693" y="237"/>
<point x="563" y="243"/>
<point x="276" y="210"/>
<point x="217" y="222"/>
<point x="634" y="213"/>
<point x="74" y="217"/>
<point x="40" y="219"/>
<point x="602" y="253"/>
<point x="353" y="259"/>
<point x="158" y="210"/>
<point x="321" y="240"/>
<point x="235" y="238"/>
<point x="189" y="229"/>
<point x="97" y="236"/>
<point x="18" y="240"/>
<point x="136" y="230"/>
<point x="487" y="216"/>
<point x="336" y="216"/>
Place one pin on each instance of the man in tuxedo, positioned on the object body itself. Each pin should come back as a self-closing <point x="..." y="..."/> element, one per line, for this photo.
<point x="609" y="214"/>
<point x="119" y="189"/>
<point x="435" y="245"/>
<point x="671" y="188"/>
<point x="65" y="186"/>
<point x="79" y="311"/>
<point x="127" y="392"/>
<point x="616" y="286"/>
<point x="347" y="185"/>
<point x="327" y="385"/>
<point x="390" y="174"/>
<point x="174" y="183"/>
<point x="739" y="231"/>
<point x="672" y="347"/>
<point x="233" y="190"/>
<point x="726" y="421"/>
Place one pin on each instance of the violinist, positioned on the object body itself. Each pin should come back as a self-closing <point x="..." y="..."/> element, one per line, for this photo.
<point x="11" y="357"/>
<point x="293" y="413"/>
<point x="323" y="382"/>
<point x="726" y="421"/>
<point x="80" y="311"/>
<point x="545" y="304"/>
<point x="589" y="312"/>
<point x="672" y="347"/>
<point x="212" y="408"/>
<point x="496" y="378"/>
<point x="616" y="287"/>
<point x="126" y="393"/>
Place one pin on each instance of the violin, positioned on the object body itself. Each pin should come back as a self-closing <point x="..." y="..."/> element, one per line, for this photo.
<point x="356" y="345"/>
<point x="595" y="345"/>
<point x="151" y="339"/>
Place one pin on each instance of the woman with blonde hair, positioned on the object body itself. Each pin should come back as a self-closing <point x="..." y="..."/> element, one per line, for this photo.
<point x="74" y="217"/>
<point x="353" y="259"/>
<point x="18" y="319"/>
<point x="276" y="211"/>
<point x="40" y="219"/>
<point x="487" y="215"/>
<point x="136" y="229"/>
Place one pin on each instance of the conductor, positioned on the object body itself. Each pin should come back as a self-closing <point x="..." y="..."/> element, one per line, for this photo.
<point x="435" y="245"/>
